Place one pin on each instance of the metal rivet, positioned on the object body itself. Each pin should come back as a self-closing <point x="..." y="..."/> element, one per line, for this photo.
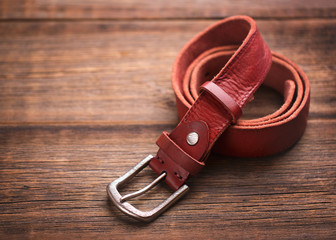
<point x="192" y="138"/>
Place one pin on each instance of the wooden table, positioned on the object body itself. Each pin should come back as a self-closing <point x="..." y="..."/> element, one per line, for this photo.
<point x="85" y="92"/>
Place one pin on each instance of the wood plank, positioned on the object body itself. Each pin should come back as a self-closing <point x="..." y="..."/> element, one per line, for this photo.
<point x="119" y="71"/>
<point x="135" y="9"/>
<point x="85" y="92"/>
<point x="53" y="183"/>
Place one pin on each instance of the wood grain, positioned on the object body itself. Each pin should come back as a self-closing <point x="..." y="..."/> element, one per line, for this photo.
<point x="119" y="72"/>
<point x="53" y="183"/>
<point x="144" y="9"/>
<point x="85" y="92"/>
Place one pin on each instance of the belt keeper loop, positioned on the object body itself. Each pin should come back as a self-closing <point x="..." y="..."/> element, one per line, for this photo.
<point x="225" y="99"/>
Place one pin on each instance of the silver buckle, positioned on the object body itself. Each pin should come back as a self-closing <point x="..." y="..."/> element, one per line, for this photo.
<point x="130" y="210"/>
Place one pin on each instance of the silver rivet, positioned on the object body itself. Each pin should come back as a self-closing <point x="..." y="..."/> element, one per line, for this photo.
<point x="192" y="138"/>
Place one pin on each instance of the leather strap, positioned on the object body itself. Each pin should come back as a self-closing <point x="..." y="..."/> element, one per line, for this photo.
<point x="214" y="77"/>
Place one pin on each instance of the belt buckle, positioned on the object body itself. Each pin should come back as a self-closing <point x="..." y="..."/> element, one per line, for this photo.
<point x="130" y="210"/>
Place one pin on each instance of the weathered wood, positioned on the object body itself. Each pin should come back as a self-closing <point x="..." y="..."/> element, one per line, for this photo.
<point x="85" y="92"/>
<point x="135" y="9"/>
<point x="53" y="183"/>
<point x="119" y="72"/>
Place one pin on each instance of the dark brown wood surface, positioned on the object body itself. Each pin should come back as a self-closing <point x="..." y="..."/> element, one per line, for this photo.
<point x="85" y="91"/>
<point x="145" y="9"/>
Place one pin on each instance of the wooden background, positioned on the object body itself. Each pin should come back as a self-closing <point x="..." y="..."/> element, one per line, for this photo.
<point x="85" y="91"/>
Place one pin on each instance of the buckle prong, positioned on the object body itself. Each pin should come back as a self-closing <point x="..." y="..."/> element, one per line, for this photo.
<point x="145" y="189"/>
<point x="127" y="208"/>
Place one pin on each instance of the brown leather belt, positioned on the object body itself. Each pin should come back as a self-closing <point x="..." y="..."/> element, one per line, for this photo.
<point x="214" y="77"/>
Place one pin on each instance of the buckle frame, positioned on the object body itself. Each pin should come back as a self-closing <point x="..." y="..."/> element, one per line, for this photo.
<point x="130" y="210"/>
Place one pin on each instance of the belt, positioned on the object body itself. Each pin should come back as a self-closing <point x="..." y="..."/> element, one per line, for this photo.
<point x="214" y="76"/>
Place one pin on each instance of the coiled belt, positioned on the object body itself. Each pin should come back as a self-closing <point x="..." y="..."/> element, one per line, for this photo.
<point x="214" y="77"/>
